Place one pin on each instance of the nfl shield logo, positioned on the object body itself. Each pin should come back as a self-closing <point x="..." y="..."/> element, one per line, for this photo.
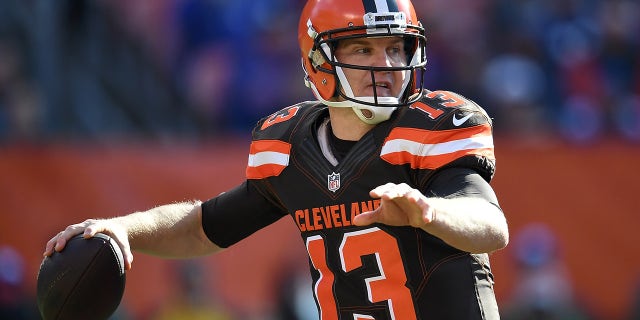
<point x="333" y="181"/>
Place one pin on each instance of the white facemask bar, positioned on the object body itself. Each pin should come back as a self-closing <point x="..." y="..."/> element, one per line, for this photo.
<point x="378" y="113"/>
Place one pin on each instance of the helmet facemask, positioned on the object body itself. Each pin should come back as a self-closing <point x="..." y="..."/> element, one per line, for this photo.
<point x="371" y="109"/>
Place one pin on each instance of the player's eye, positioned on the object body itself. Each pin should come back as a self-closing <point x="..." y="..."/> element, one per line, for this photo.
<point x="362" y="50"/>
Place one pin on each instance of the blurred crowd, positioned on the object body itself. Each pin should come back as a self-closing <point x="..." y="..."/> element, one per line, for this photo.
<point x="105" y="70"/>
<point x="77" y="70"/>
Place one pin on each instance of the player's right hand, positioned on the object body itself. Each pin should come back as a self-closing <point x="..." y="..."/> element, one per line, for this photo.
<point x="400" y="205"/>
<point x="88" y="229"/>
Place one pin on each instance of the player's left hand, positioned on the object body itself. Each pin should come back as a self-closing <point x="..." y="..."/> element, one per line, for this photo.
<point x="400" y="205"/>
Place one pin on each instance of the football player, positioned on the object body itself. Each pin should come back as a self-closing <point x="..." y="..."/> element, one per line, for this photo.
<point x="388" y="182"/>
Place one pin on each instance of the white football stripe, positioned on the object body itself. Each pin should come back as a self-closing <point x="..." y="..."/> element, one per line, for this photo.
<point x="268" y="157"/>
<point x="421" y="149"/>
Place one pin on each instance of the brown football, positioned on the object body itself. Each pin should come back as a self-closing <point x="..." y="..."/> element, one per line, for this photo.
<point x="86" y="280"/>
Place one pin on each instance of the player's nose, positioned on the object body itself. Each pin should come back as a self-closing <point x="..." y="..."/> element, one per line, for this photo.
<point x="382" y="59"/>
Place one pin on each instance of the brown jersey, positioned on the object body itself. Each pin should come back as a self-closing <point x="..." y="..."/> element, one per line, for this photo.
<point x="377" y="271"/>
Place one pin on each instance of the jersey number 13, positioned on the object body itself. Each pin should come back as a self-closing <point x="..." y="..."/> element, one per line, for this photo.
<point x="389" y="286"/>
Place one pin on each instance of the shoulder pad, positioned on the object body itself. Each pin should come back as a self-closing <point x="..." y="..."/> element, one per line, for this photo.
<point x="445" y="110"/>
<point x="437" y="130"/>
<point x="271" y="139"/>
<point x="280" y="123"/>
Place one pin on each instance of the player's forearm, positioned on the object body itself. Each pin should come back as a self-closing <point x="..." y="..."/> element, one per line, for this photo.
<point x="171" y="231"/>
<point x="469" y="224"/>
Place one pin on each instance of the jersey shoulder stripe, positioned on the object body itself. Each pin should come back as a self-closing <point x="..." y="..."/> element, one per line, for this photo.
<point x="432" y="149"/>
<point x="439" y="129"/>
<point x="270" y="148"/>
<point x="267" y="158"/>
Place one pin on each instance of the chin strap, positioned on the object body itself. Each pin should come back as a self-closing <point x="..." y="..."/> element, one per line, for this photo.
<point x="379" y="115"/>
<point x="368" y="114"/>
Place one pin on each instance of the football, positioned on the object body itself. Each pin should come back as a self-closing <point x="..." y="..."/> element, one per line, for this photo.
<point x="86" y="280"/>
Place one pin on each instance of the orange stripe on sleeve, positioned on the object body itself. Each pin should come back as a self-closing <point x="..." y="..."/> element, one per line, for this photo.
<point x="267" y="158"/>
<point x="433" y="137"/>
<point x="269" y="145"/>
<point x="426" y="149"/>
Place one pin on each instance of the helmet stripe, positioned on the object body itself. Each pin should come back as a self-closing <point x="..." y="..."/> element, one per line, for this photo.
<point x="392" y="5"/>
<point x="369" y="6"/>
<point x="380" y="6"/>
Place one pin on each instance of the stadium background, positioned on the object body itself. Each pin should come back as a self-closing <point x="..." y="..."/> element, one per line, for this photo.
<point x="112" y="106"/>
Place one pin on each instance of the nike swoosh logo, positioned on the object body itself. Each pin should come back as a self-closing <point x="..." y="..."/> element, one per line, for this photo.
<point x="457" y="122"/>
